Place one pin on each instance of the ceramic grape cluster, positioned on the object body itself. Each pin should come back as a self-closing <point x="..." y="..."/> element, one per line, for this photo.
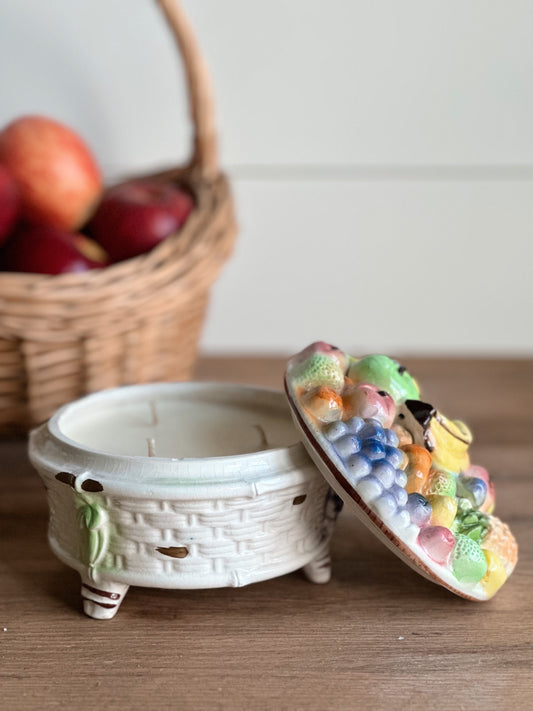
<point x="406" y="462"/>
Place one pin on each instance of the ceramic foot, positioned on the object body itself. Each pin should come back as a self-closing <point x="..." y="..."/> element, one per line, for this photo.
<point x="319" y="569"/>
<point x="102" y="600"/>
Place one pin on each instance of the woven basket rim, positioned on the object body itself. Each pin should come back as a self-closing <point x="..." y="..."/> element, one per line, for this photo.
<point x="207" y="196"/>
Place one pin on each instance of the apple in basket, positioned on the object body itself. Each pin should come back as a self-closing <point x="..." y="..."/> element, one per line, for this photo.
<point x="9" y="203"/>
<point x="48" y="250"/>
<point x="134" y="217"/>
<point x="57" y="176"/>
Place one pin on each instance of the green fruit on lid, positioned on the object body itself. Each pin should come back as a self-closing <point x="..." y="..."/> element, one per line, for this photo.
<point x="318" y="370"/>
<point x="469" y="564"/>
<point x="442" y="483"/>
<point x="386" y="374"/>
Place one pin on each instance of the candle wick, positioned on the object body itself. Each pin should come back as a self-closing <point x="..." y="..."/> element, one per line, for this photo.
<point x="150" y="441"/>
<point x="153" y="410"/>
<point x="262" y="434"/>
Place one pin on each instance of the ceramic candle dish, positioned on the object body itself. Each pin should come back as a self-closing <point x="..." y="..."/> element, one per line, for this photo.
<point x="402" y="467"/>
<point x="181" y="485"/>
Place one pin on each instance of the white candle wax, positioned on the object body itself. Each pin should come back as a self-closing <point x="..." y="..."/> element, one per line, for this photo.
<point x="180" y="421"/>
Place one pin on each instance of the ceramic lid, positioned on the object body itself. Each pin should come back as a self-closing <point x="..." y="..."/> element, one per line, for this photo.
<point x="401" y="466"/>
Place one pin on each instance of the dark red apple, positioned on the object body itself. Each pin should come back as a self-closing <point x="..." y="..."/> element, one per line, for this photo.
<point x="57" y="176"/>
<point x="136" y="216"/>
<point x="44" y="250"/>
<point x="9" y="203"/>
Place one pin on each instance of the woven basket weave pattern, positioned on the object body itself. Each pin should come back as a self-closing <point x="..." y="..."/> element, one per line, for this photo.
<point x="136" y="321"/>
<point x="220" y="536"/>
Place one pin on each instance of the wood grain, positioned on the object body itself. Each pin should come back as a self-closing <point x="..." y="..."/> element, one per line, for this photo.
<point x="378" y="636"/>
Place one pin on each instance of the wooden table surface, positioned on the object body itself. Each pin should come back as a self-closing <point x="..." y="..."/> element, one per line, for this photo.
<point x="378" y="636"/>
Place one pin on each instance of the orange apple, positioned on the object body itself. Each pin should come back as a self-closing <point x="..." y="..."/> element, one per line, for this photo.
<point x="58" y="178"/>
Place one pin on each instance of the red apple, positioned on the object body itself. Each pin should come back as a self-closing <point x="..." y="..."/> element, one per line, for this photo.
<point x="9" y="203"/>
<point x="136" y="216"/>
<point x="58" y="178"/>
<point x="42" y="249"/>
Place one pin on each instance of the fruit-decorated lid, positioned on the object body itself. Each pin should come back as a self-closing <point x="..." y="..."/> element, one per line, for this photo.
<point x="401" y="466"/>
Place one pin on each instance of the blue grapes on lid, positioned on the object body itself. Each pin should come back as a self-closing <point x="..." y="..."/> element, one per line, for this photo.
<point x="371" y="459"/>
<point x="355" y="424"/>
<point x="335" y="430"/>
<point x="357" y="467"/>
<point x="401" y="478"/>
<point x="394" y="456"/>
<point x="399" y="493"/>
<point x="373" y="449"/>
<point x="386" y="505"/>
<point x="370" y="488"/>
<point x="347" y="445"/>
<point x="385" y="472"/>
<point x="391" y="438"/>
<point x="372" y="430"/>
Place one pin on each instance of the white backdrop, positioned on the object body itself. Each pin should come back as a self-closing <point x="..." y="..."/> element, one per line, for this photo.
<point x="382" y="155"/>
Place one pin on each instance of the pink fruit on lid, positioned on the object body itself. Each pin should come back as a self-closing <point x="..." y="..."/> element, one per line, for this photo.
<point x="368" y="401"/>
<point x="437" y="542"/>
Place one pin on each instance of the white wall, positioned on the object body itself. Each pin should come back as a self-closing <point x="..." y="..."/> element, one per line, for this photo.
<point x="382" y="155"/>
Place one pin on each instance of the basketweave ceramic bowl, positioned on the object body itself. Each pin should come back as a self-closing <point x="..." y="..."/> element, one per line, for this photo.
<point x="181" y="485"/>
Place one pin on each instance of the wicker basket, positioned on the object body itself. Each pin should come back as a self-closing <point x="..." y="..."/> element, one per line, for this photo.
<point x="136" y="321"/>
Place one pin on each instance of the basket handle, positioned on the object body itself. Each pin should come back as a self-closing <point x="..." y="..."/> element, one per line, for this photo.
<point x="201" y="105"/>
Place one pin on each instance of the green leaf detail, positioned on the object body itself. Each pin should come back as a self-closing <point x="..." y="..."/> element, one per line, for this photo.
<point x="472" y="524"/>
<point x="93" y="519"/>
<point x="94" y="545"/>
<point x="91" y="516"/>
